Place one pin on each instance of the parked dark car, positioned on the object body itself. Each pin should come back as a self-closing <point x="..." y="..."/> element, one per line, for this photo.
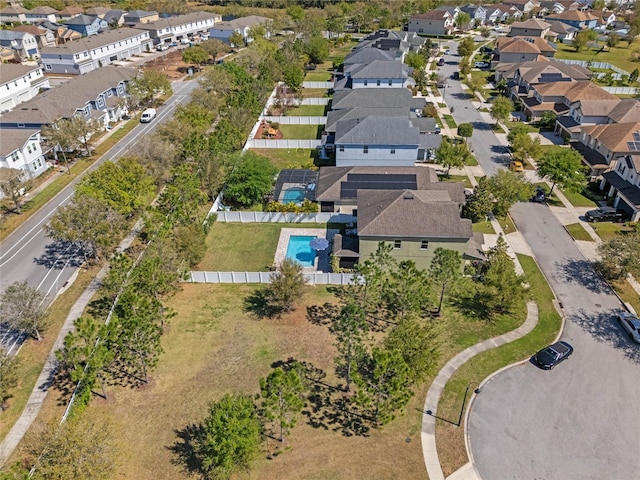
<point x="550" y="356"/>
<point x="605" y="214"/>
<point x="540" y="196"/>
<point x="456" y="75"/>
<point x="441" y="61"/>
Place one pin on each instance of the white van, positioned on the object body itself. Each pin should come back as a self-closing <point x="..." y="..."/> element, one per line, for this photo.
<point x="148" y="115"/>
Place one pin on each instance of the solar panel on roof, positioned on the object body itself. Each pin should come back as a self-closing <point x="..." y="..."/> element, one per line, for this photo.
<point x="364" y="181"/>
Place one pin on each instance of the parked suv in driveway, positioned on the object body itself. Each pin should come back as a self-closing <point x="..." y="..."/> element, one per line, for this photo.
<point x="605" y="214"/>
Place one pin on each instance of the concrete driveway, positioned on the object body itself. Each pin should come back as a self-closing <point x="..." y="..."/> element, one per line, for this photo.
<point x="578" y="421"/>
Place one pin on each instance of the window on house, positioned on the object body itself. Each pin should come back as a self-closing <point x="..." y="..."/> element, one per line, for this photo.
<point x="393" y="151"/>
<point x="424" y="245"/>
<point x="365" y="149"/>
<point x="29" y="149"/>
<point x="366" y="83"/>
<point x="342" y="148"/>
<point x="397" y="244"/>
<point x="390" y="82"/>
<point x="378" y="83"/>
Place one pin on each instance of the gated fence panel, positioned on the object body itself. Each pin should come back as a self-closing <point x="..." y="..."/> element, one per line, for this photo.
<point x="283" y="143"/>
<point x="280" y="217"/>
<point x="327" y="85"/>
<point x="297" y="120"/>
<point x="316" y="278"/>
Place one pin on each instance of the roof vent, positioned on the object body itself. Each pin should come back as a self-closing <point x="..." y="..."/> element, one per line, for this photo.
<point x="408" y="195"/>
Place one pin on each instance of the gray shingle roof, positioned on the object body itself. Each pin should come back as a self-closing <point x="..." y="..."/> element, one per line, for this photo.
<point x="81" y="20"/>
<point x="13" y="139"/>
<point x="63" y="101"/>
<point x="380" y="69"/>
<point x="368" y="55"/>
<point x="175" y="21"/>
<point x="12" y="71"/>
<point x="11" y="35"/>
<point x="377" y="130"/>
<point x="376" y="97"/>
<point x="410" y="213"/>
<point x="361" y="112"/>
<point x="94" y="41"/>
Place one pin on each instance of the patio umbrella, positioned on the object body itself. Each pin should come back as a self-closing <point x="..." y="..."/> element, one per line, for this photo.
<point x="319" y="243"/>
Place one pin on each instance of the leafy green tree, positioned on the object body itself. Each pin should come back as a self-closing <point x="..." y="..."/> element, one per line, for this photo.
<point x="350" y="329"/>
<point x="451" y="155"/>
<point x="11" y="187"/>
<point x="227" y="440"/>
<point x="317" y="48"/>
<point x="8" y="378"/>
<point x="407" y="291"/>
<point x="236" y="40"/>
<point x="215" y="47"/>
<point x="22" y="307"/>
<point x="502" y="87"/>
<point x="501" y="109"/>
<point x="415" y="60"/>
<point x="196" y="54"/>
<point x="282" y="395"/>
<point x="548" y="120"/>
<point x="463" y="21"/>
<point x="523" y="145"/>
<point x="383" y="381"/>
<point x="583" y="38"/>
<point x="465" y="130"/>
<point x="293" y="76"/>
<point x="445" y="271"/>
<point x="612" y="39"/>
<point x="619" y="255"/>
<point x="89" y="223"/>
<point x="475" y="84"/>
<point x="250" y="180"/>
<point x="81" y="447"/>
<point x="507" y="188"/>
<point x="60" y="138"/>
<point x="480" y="204"/>
<point x="416" y="342"/>
<point x="466" y="47"/>
<point x="634" y="75"/>
<point x="147" y="85"/>
<point x="286" y="287"/>
<point x="564" y="168"/>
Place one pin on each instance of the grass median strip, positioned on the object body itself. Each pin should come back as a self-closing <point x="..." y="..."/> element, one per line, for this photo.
<point x="450" y="440"/>
<point x="578" y="232"/>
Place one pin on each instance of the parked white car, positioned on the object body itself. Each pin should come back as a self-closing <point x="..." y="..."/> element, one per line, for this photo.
<point x="482" y="65"/>
<point x="631" y="324"/>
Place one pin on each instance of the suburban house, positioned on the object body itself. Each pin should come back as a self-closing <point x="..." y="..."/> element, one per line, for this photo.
<point x="477" y="13"/>
<point x="40" y="14"/>
<point x="179" y="27"/>
<point x="44" y="37"/>
<point x="68" y="13"/>
<point x="381" y="140"/>
<point x="434" y="22"/>
<point x="94" y="95"/>
<point x="11" y="15"/>
<point x="623" y="183"/>
<point x="90" y="53"/>
<point x="368" y="55"/>
<point x="559" y="97"/>
<point x="399" y="43"/>
<point x="533" y="27"/>
<point x="604" y="18"/>
<point x="499" y="13"/>
<point x="21" y="150"/>
<point x="604" y="146"/>
<point x="561" y="31"/>
<point x="559" y="6"/>
<point x="97" y="11"/>
<point x="377" y="98"/>
<point x="597" y="112"/>
<point x="522" y="77"/>
<point x="86" y="25"/>
<point x="521" y="49"/>
<point x="414" y="222"/>
<point x="114" y="17"/>
<point x="23" y="44"/>
<point x="134" y="17"/>
<point x="19" y="83"/>
<point x="376" y="74"/>
<point x="525" y="6"/>
<point x="575" y="18"/>
<point x="61" y="33"/>
<point x="223" y="30"/>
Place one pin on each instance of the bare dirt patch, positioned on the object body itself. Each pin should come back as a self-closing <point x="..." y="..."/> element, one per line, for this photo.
<point x="170" y="64"/>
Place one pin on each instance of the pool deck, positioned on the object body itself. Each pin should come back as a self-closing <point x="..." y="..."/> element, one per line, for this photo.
<point x="321" y="263"/>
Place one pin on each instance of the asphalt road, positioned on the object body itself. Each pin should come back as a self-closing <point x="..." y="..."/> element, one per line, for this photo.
<point x="578" y="421"/>
<point x="29" y="255"/>
<point x="490" y="153"/>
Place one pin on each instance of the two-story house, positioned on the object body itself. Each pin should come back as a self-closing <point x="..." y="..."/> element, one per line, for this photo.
<point x="376" y="74"/>
<point x="67" y="13"/>
<point x="399" y="43"/>
<point x="521" y="49"/>
<point x="522" y="77"/>
<point x="114" y="17"/>
<point x="377" y="98"/>
<point x="44" y="37"/>
<point x="21" y="150"/>
<point x="86" y="25"/>
<point x="97" y="11"/>
<point x="575" y="18"/>
<point x="605" y="18"/>
<point x="179" y="27"/>
<point x="40" y="14"/>
<point x="525" y="6"/>
<point x="477" y="13"/>
<point x="223" y="30"/>
<point x="562" y="32"/>
<point x="11" y="15"/>
<point x="533" y="27"/>
<point x="23" y="44"/>
<point x="19" y="83"/>
<point x="597" y="112"/>
<point x="364" y="56"/>
<point x="134" y="17"/>
<point x="91" y="53"/>
<point x="89" y="96"/>
<point x="623" y="182"/>
<point x="434" y="22"/>
<point x="499" y="13"/>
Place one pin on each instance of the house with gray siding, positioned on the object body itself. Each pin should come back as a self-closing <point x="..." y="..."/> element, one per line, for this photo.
<point x="377" y="74"/>
<point x="86" y="25"/>
<point x="434" y="22"/>
<point x="23" y="44"/>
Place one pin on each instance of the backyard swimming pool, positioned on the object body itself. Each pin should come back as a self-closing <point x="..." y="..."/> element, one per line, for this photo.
<point x="299" y="250"/>
<point x="293" y="195"/>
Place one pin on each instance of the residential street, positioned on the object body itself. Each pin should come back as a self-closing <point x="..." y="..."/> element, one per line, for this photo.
<point x="29" y="255"/>
<point x="575" y="421"/>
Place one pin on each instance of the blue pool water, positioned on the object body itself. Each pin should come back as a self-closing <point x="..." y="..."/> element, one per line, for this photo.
<point x="293" y="195"/>
<point x="300" y="251"/>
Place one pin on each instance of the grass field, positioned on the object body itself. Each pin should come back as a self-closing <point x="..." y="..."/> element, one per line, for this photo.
<point x="577" y="231"/>
<point x="578" y="199"/>
<point x="450" y="440"/>
<point x="302" y="132"/>
<point x="450" y="121"/>
<point x="285" y="158"/>
<point x="318" y="75"/>
<point x="244" y="247"/>
<point x="483" y="227"/>
<point x="618" y="56"/>
<point x="307" y="111"/>
<point x="456" y="178"/>
<point x="315" y="93"/>
<point x="608" y="230"/>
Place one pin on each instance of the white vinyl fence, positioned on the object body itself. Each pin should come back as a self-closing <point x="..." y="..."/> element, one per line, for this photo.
<point x="280" y="217"/>
<point x="600" y="65"/>
<point x="283" y="143"/>
<point x="315" y="101"/>
<point x="327" y="85"/>
<point x="297" y="120"/>
<point x="316" y="278"/>
<point x="621" y="90"/>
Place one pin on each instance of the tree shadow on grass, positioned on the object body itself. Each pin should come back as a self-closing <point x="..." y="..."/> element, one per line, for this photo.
<point x="582" y="272"/>
<point x="257" y="304"/>
<point x="322" y="315"/>
<point x="184" y="454"/>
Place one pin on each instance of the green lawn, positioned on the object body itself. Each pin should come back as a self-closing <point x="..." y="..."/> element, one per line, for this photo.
<point x="618" y="56"/>
<point x="294" y="158"/>
<point x="497" y="128"/>
<point x="578" y="199"/>
<point x="244" y="247"/>
<point x="530" y="128"/>
<point x="302" y="132"/>
<point x="318" y="75"/>
<point x="483" y="227"/>
<point x="577" y="231"/>
<point x="627" y="293"/>
<point x="608" y="230"/>
<point x="307" y="111"/>
<point x="315" y="93"/>
<point x="456" y="178"/>
<point x="472" y="161"/>
<point x="483" y="74"/>
<point x="450" y="121"/>
<point x="451" y="442"/>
